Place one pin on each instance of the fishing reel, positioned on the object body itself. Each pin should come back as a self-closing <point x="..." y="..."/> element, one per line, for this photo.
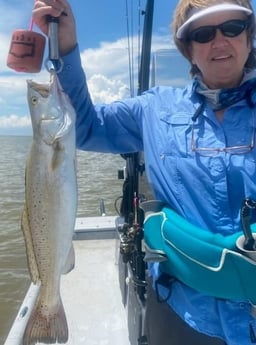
<point x="128" y="235"/>
<point x="248" y="216"/>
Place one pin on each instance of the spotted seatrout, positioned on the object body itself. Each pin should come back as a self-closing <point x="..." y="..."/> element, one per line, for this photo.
<point x="50" y="207"/>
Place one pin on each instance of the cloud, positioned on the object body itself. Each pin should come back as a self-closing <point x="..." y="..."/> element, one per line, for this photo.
<point x="4" y="47"/>
<point x="107" y="70"/>
<point x="13" y="92"/>
<point x="14" y="121"/>
<point x="106" y="67"/>
<point x="110" y="58"/>
<point x="15" y="125"/>
<point x="106" y="90"/>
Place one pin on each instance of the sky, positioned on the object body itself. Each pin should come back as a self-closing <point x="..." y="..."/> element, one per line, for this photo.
<point x="102" y="37"/>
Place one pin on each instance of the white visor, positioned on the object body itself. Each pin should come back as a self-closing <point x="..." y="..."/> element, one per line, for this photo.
<point x="199" y="13"/>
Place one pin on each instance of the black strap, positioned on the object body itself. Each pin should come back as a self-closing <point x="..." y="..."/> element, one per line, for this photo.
<point x="143" y="340"/>
<point x="248" y="212"/>
<point x="166" y="281"/>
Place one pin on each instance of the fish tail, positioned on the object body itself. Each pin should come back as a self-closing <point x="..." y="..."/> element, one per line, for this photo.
<point x="48" y="326"/>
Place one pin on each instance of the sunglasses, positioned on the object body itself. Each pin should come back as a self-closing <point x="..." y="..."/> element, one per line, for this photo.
<point x="230" y="28"/>
<point x="232" y="150"/>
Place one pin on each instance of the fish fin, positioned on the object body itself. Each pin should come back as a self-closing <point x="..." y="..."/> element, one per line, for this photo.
<point x="70" y="262"/>
<point x="32" y="264"/>
<point x="47" y="326"/>
<point x="58" y="156"/>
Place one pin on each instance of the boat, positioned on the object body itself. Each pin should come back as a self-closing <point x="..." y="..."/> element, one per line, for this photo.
<point x="105" y="295"/>
<point x="94" y="312"/>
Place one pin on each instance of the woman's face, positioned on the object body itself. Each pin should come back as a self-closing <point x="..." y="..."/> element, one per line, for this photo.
<point x="221" y="61"/>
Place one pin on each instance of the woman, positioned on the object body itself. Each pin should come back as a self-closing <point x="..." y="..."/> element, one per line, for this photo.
<point x="198" y="144"/>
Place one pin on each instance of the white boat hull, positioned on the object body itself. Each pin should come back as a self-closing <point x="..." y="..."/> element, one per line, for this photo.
<point x="91" y="293"/>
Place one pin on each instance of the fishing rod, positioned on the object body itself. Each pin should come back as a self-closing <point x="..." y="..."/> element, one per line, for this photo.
<point x="131" y="234"/>
<point x="134" y="163"/>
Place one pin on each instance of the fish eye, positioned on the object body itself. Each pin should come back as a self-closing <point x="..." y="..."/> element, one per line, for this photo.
<point x="34" y="100"/>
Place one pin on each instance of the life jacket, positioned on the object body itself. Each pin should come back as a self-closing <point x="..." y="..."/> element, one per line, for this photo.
<point x="208" y="262"/>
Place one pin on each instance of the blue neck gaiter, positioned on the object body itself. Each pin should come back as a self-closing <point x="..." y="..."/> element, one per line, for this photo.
<point x="223" y="98"/>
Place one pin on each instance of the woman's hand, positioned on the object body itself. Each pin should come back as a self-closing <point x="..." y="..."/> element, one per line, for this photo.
<point x="67" y="26"/>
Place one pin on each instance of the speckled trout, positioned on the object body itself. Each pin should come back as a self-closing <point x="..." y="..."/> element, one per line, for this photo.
<point x="50" y="207"/>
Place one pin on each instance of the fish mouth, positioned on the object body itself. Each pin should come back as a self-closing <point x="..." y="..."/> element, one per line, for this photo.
<point x="45" y="89"/>
<point x="42" y="89"/>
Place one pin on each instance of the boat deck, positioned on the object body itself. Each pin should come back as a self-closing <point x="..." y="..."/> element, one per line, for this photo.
<point x="90" y="293"/>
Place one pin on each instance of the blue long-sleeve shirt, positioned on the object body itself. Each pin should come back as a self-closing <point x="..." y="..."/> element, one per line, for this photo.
<point x="206" y="190"/>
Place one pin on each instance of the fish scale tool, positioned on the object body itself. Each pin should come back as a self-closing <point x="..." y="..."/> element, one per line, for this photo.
<point x="27" y="49"/>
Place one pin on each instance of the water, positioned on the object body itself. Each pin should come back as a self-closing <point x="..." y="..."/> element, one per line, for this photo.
<point x="97" y="179"/>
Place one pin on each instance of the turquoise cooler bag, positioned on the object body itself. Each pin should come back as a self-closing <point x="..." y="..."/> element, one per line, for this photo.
<point x="205" y="261"/>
